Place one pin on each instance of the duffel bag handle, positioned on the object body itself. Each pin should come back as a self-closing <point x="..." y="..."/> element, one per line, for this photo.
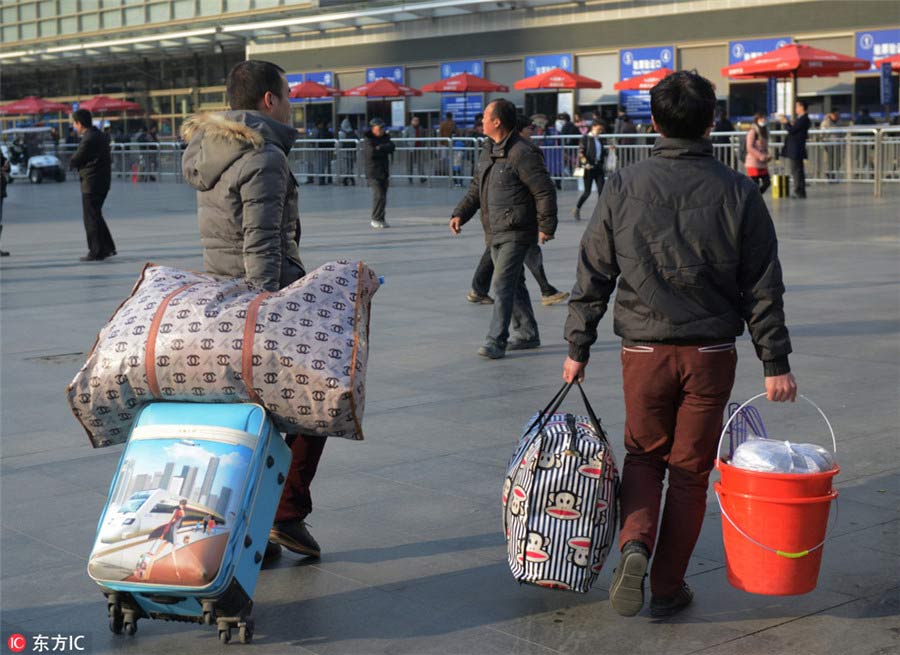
<point x="544" y="416"/>
<point x="760" y="395"/>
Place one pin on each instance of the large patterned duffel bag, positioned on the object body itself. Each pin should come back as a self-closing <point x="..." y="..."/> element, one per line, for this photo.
<point x="300" y="352"/>
<point x="559" y="499"/>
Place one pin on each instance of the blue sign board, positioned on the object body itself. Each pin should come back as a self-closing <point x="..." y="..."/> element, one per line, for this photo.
<point x="392" y="73"/>
<point x="463" y="107"/>
<point x="739" y="51"/>
<point x="638" y="61"/>
<point x="877" y="44"/>
<point x="537" y="64"/>
<point x="471" y="66"/>
<point x="325" y="78"/>
<point x="887" y="90"/>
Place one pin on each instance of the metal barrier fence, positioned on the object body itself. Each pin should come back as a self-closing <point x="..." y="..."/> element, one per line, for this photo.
<point x="840" y="155"/>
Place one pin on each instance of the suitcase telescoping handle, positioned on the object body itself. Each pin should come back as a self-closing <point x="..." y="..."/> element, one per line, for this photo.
<point x="547" y="413"/>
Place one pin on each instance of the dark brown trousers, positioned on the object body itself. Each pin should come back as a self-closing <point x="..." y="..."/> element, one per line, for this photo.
<point x="674" y="401"/>
<point x="296" y="500"/>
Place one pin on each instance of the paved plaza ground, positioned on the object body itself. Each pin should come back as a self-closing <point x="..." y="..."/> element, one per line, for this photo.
<point x="409" y="520"/>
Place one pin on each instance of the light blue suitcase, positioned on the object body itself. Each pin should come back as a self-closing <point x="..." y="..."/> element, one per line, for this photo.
<point x="187" y="519"/>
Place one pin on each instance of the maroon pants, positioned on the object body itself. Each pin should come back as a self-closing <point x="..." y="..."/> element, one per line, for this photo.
<point x="296" y="500"/>
<point x="674" y="400"/>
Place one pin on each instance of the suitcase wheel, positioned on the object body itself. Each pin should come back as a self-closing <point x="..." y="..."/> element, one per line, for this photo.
<point x="225" y="635"/>
<point x="245" y="632"/>
<point x="130" y="627"/>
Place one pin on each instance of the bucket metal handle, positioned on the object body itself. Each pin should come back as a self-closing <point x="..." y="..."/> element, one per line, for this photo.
<point x="783" y="553"/>
<point x="760" y="395"/>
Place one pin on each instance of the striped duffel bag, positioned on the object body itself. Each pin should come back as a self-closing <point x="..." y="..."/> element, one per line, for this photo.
<point x="559" y="499"/>
<point x="299" y="352"/>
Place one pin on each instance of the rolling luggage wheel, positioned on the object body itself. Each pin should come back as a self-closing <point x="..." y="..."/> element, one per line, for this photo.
<point x="116" y="620"/>
<point x="245" y="631"/>
<point x="225" y="635"/>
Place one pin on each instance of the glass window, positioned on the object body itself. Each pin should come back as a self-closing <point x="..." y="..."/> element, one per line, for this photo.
<point x="10" y="15"/>
<point x="71" y="6"/>
<point x="266" y="4"/>
<point x="237" y="5"/>
<point x="28" y="11"/>
<point x="211" y="8"/>
<point x="11" y="33"/>
<point x="90" y="22"/>
<point x="47" y="27"/>
<point x="162" y="104"/>
<point x="135" y="16"/>
<point x="112" y="19"/>
<point x="47" y="8"/>
<point x="160" y="12"/>
<point x="29" y="30"/>
<point x="183" y="8"/>
<point x="68" y="25"/>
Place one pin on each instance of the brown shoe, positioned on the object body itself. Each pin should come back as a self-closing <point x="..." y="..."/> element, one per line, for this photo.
<point x="478" y="299"/>
<point x="294" y="536"/>
<point x="554" y="298"/>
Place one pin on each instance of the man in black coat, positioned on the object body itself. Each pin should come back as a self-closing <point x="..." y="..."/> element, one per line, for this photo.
<point x="692" y="248"/>
<point x="378" y="150"/>
<point x="517" y="199"/>
<point x="592" y="158"/>
<point x="794" y="150"/>
<point x="94" y="163"/>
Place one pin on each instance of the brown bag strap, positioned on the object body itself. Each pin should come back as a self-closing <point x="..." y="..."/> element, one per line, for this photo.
<point x="150" y="354"/>
<point x="247" y="346"/>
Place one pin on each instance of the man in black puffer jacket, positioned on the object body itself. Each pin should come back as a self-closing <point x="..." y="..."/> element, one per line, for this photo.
<point x="515" y="193"/>
<point x="695" y="254"/>
<point x="93" y="161"/>
<point x="378" y="149"/>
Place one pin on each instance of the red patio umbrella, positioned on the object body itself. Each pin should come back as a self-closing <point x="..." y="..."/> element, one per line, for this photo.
<point x="893" y="60"/>
<point x="33" y="105"/>
<point x="103" y="104"/>
<point x="557" y="79"/>
<point x="382" y="88"/>
<point x="643" y="82"/>
<point x="464" y="83"/>
<point x="795" y="60"/>
<point x="311" y="89"/>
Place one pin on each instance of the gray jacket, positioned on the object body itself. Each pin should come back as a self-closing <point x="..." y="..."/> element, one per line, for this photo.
<point x="695" y="253"/>
<point x="247" y="200"/>
<point x="514" y="191"/>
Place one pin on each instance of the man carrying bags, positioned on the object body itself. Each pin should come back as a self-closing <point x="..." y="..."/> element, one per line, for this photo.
<point x="694" y="251"/>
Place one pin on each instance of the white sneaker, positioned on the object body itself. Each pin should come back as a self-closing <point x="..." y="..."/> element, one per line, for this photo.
<point x="378" y="225"/>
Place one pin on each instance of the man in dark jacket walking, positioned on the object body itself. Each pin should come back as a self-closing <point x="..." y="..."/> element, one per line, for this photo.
<point x="94" y="163"/>
<point x="517" y="199"/>
<point x="247" y="206"/>
<point x="592" y="158"/>
<point x="378" y="151"/>
<point x="696" y="257"/>
<point x="794" y="150"/>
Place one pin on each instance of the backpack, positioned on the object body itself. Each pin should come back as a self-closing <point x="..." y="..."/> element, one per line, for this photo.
<point x="559" y="499"/>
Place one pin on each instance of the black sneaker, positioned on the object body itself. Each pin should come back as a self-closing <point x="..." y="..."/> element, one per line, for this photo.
<point x="294" y="536"/>
<point x="661" y="608"/>
<point x="626" y="593"/>
<point x="492" y="351"/>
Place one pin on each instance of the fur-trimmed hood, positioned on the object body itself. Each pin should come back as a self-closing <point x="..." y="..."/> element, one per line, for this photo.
<point x="216" y="141"/>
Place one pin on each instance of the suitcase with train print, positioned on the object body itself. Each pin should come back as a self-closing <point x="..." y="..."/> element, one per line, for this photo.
<point x="559" y="499"/>
<point x="186" y="523"/>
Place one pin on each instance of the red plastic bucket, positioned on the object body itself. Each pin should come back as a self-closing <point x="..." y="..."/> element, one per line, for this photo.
<point x="790" y="485"/>
<point x="774" y="525"/>
<point x="792" y="528"/>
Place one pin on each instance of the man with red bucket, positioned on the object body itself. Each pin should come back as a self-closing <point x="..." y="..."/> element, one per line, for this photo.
<point x="694" y="251"/>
